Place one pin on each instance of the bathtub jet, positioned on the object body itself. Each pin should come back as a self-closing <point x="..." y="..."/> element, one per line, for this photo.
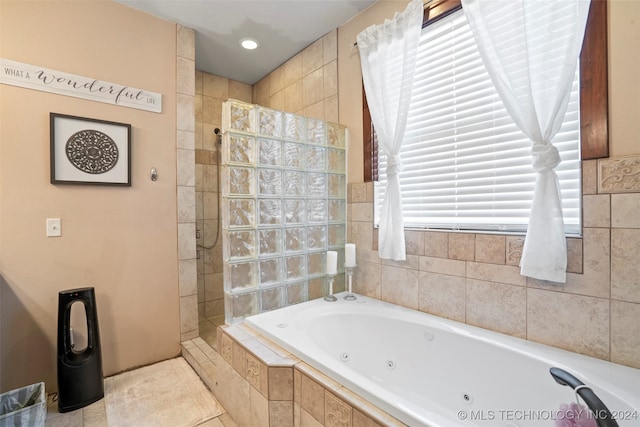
<point x="429" y="371"/>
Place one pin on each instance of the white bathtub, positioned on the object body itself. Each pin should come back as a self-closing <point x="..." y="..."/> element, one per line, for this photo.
<point x="429" y="371"/>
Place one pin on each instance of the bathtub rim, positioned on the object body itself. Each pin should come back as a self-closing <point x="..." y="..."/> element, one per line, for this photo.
<point x="581" y="365"/>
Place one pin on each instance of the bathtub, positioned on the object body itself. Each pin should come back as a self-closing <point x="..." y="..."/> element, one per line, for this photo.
<point x="430" y="371"/>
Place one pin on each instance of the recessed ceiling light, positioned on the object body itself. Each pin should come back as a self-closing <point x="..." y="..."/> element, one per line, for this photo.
<point x="249" y="44"/>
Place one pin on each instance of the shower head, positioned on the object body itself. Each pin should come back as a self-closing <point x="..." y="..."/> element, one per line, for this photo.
<point x="218" y="132"/>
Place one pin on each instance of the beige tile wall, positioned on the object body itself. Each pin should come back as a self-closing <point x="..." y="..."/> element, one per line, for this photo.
<point x="210" y="92"/>
<point x="475" y="278"/>
<point x="307" y="84"/>
<point x="185" y="148"/>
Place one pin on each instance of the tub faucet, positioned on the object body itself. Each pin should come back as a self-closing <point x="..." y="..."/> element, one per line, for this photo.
<point x="603" y="416"/>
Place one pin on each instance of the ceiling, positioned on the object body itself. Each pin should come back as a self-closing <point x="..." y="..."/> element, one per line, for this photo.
<point x="281" y="27"/>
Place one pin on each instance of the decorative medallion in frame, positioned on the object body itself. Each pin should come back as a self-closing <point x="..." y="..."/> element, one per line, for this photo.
<point x="89" y="151"/>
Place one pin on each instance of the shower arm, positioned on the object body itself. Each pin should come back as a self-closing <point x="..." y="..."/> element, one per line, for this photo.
<point x="603" y="416"/>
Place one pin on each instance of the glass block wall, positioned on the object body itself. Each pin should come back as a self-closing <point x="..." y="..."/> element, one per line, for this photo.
<point x="284" y="205"/>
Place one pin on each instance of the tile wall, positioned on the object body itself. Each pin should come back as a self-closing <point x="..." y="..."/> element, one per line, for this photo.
<point x="475" y="278"/>
<point x="306" y="84"/>
<point x="210" y="92"/>
<point x="185" y="57"/>
<point x="261" y="384"/>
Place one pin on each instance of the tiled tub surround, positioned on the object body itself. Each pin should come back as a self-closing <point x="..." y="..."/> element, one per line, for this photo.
<point x="260" y="384"/>
<point x="417" y="367"/>
<point x="466" y="277"/>
<point x="475" y="278"/>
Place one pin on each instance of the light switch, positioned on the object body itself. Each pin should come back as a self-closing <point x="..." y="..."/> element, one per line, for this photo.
<point x="54" y="228"/>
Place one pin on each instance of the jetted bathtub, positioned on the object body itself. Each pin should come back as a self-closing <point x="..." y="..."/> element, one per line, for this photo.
<point x="430" y="371"/>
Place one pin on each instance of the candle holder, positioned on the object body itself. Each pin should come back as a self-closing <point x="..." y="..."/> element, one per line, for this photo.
<point x="350" y="296"/>
<point x="331" y="297"/>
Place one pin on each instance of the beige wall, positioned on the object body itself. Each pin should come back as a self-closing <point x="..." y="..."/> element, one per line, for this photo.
<point x="475" y="278"/>
<point x="624" y="69"/>
<point x="122" y="241"/>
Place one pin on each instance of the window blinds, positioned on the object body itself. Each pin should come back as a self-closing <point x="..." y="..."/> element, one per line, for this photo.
<point x="466" y="165"/>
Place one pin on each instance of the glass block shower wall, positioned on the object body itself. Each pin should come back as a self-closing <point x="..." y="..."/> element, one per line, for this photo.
<point x="284" y="205"/>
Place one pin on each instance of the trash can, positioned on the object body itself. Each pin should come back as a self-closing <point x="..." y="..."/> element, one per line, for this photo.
<point x="80" y="380"/>
<point x="24" y="407"/>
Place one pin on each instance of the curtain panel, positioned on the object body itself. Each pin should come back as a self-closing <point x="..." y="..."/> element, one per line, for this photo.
<point x="388" y="60"/>
<point x="530" y="49"/>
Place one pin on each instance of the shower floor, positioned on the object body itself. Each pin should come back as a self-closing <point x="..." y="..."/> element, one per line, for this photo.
<point x="208" y="327"/>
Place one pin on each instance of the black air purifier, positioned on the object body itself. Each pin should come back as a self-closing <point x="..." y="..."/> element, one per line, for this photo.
<point x="80" y="380"/>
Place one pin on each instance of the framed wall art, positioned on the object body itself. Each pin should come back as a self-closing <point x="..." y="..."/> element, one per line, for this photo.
<point x="89" y="151"/>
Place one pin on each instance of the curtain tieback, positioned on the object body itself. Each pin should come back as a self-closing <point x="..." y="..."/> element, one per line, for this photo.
<point x="545" y="156"/>
<point x="394" y="165"/>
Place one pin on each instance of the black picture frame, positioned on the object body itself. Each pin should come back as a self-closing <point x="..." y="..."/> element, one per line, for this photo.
<point x="87" y="151"/>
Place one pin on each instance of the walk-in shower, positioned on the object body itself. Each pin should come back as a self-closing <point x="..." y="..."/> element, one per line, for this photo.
<point x="208" y="234"/>
<point x="283" y="184"/>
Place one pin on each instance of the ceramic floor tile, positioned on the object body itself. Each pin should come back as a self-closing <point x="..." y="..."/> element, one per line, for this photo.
<point x="227" y="421"/>
<point x="56" y="419"/>
<point x="168" y="393"/>
<point x="211" y="423"/>
<point x="68" y="419"/>
<point x="95" y="415"/>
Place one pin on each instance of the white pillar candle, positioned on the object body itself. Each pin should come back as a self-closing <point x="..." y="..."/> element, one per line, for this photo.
<point x="332" y="262"/>
<point x="350" y="255"/>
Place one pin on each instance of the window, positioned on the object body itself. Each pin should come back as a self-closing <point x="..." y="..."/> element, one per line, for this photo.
<point x="466" y="165"/>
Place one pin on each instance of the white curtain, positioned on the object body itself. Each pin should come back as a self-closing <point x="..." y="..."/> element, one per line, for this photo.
<point x="530" y="49"/>
<point x="388" y="60"/>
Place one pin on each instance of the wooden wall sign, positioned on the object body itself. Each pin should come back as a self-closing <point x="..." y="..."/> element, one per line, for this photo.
<point x="39" y="78"/>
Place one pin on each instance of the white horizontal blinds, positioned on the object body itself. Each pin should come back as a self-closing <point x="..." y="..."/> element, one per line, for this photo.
<point x="466" y="165"/>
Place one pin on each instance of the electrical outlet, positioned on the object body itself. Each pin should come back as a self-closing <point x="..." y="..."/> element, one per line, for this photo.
<point x="54" y="229"/>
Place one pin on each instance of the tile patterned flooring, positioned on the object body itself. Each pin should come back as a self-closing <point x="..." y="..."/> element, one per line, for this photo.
<point x="167" y="393"/>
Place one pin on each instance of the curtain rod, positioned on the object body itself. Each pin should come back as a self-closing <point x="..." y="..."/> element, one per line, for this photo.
<point x="425" y="3"/>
